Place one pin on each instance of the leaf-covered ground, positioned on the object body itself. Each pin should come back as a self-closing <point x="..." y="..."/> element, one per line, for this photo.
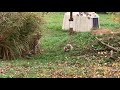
<point x="82" y="62"/>
<point x="88" y="69"/>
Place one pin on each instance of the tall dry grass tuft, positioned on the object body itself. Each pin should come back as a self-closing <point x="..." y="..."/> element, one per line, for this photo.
<point x="16" y="30"/>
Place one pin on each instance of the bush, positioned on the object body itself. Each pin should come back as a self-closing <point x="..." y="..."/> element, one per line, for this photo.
<point x="116" y="16"/>
<point x="16" y="30"/>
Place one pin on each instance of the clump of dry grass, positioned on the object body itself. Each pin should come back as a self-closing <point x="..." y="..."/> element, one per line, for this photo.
<point x="16" y="28"/>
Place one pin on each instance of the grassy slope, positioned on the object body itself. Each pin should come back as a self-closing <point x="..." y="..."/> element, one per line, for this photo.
<point x="53" y="62"/>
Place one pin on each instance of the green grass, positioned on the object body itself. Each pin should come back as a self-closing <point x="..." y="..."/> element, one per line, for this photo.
<point x="107" y="22"/>
<point x="54" y="62"/>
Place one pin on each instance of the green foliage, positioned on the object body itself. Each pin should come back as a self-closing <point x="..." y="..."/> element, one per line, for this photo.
<point x="116" y="16"/>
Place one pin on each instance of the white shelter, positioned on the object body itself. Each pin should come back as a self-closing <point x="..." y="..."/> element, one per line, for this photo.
<point x="82" y="21"/>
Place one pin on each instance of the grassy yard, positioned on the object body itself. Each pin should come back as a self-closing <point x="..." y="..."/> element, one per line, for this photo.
<point x="55" y="63"/>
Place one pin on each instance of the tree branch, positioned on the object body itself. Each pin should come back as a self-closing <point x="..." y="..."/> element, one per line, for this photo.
<point x="108" y="46"/>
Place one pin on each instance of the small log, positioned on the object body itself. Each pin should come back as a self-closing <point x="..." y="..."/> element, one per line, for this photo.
<point x="108" y="46"/>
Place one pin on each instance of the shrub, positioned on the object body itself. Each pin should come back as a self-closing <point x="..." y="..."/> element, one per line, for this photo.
<point x="116" y="16"/>
<point x="16" y="30"/>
